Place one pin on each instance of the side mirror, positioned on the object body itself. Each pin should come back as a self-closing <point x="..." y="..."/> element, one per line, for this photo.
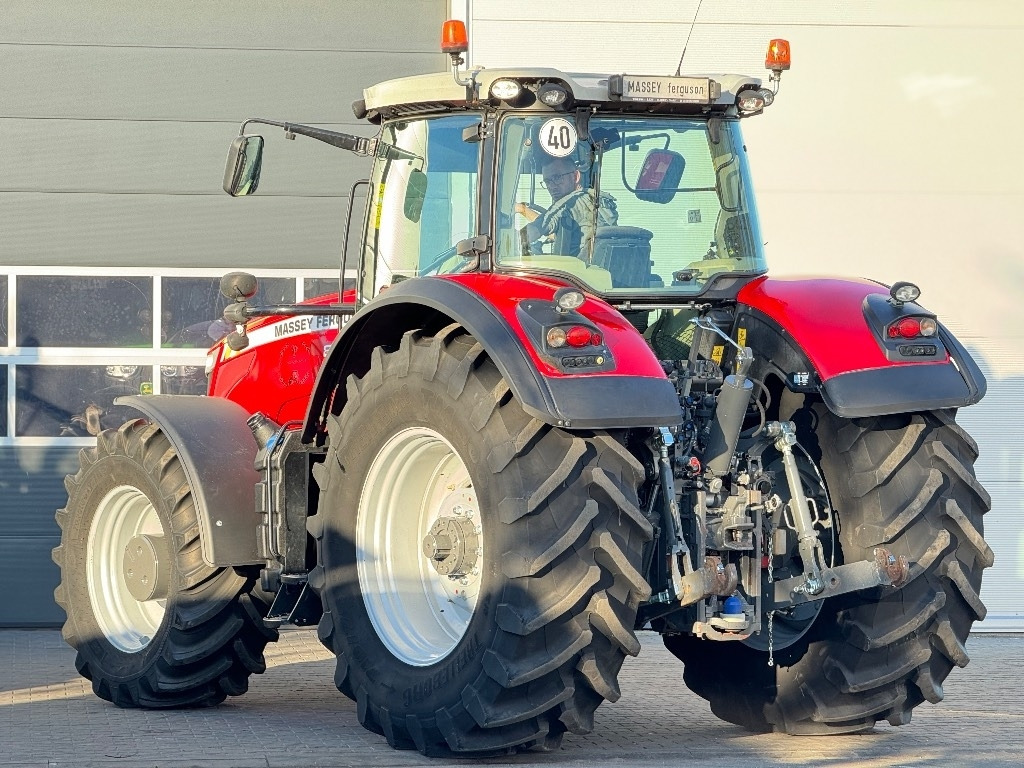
<point x="242" y="172"/>
<point x="238" y="286"/>
<point x="415" y="195"/>
<point x="660" y="175"/>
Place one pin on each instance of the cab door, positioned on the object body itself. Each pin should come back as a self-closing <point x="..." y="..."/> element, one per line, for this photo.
<point x="423" y="200"/>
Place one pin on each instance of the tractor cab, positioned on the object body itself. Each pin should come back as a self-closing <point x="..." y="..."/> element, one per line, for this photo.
<point x="634" y="188"/>
<point x="626" y="205"/>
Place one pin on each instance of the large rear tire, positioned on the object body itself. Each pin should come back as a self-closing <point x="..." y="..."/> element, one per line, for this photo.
<point x="153" y="624"/>
<point x="903" y="482"/>
<point x="477" y="567"/>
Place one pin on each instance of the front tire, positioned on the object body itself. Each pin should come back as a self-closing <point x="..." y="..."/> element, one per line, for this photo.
<point x="477" y="567"/>
<point x="154" y="625"/>
<point x="904" y="482"/>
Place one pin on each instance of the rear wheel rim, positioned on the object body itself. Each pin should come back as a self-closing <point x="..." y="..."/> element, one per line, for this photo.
<point x="127" y="623"/>
<point x="416" y="480"/>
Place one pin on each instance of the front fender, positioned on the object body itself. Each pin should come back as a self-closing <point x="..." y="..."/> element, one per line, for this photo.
<point x="217" y="452"/>
<point x="634" y="393"/>
<point x="821" y="324"/>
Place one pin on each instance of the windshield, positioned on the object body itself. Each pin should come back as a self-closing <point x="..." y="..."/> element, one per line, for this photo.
<point x="645" y="205"/>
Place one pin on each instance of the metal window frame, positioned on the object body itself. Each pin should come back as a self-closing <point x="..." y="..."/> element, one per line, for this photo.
<point x="14" y="356"/>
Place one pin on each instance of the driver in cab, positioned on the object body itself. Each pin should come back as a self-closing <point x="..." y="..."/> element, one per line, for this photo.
<point x="568" y="224"/>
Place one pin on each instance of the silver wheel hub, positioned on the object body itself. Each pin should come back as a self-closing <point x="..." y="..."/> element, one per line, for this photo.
<point x="451" y="546"/>
<point x="146" y="574"/>
<point x="419" y="546"/>
<point x="127" y="569"/>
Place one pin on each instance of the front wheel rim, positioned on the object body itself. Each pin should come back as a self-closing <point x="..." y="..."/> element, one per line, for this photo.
<point x="418" y="489"/>
<point x="126" y="622"/>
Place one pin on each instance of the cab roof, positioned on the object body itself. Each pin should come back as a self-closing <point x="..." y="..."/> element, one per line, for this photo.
<point x="440" y="90"/>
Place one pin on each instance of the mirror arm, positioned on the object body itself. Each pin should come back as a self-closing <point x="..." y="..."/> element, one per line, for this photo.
<point x="357" y="144"/>
<point x="292" y="310"/>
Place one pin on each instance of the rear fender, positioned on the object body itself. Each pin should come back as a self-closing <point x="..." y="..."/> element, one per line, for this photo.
<point x="217" y="452"/>
<point x="631" y="392"/>
<point x="818" y="335"/>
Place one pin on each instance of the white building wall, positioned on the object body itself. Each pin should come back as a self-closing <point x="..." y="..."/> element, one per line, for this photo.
<point x="892" y="153"/>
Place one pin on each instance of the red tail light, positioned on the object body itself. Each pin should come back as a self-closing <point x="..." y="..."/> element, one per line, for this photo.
<point x="912" y="327"/>
<point x="907" y="328"/>
<point x="579" y="336"/>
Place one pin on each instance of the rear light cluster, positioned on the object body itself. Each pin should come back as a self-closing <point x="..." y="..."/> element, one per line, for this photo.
<point x="912" y="328"/>
<point x="902" y="329"/>
<point x="574" y="336"/>
<point x="566" y="339"/>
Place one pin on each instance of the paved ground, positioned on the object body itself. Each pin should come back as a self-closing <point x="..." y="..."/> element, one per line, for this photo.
<point x="293" y="717"/>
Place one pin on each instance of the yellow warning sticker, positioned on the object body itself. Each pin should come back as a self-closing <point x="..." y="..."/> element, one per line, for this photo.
<point x="741" y="337"/>
<point x="716" y="353"/>
<point x="380" y="204"/>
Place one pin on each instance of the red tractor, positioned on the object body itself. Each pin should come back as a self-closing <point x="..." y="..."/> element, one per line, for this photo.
<point x="562" y="403"/>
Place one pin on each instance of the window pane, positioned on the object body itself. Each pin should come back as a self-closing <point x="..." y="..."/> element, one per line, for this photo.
<point x="189" y="306"/>
<point x="321" y="286"/>
<point x="275" y="290"/>
<point x="85" y="311"/>
<point x="75" y="400"/>
<point x="193" y="308"/>
<point x="423" y="189"/>
<point x="644" y="204"/>
<point x="182" y="380"/>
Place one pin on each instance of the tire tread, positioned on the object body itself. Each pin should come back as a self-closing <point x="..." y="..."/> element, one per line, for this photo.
<point x="565" y="620"/>
<point x="905" y="483"/>
<point x="214" y="627"/>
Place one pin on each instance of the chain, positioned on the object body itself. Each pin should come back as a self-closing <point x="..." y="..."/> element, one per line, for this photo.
<point x="771" y="614"/>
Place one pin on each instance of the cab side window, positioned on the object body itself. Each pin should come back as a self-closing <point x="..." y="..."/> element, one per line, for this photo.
<point x="423" y="192"/>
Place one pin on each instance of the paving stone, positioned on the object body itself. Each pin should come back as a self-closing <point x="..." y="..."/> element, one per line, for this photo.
<point x="293" y="717"/>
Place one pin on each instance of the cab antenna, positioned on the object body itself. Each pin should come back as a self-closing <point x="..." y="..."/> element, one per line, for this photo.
<point x="679" y="69"/>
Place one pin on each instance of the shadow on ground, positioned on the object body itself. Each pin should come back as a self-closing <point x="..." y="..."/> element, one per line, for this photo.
<point x="294" y="716"/>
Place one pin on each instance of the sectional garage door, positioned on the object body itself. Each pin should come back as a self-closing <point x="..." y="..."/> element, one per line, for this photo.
<point x="114" y="123"/>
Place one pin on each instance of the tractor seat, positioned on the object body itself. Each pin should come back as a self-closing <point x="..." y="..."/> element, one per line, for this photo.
<point x="626" y="253"/>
